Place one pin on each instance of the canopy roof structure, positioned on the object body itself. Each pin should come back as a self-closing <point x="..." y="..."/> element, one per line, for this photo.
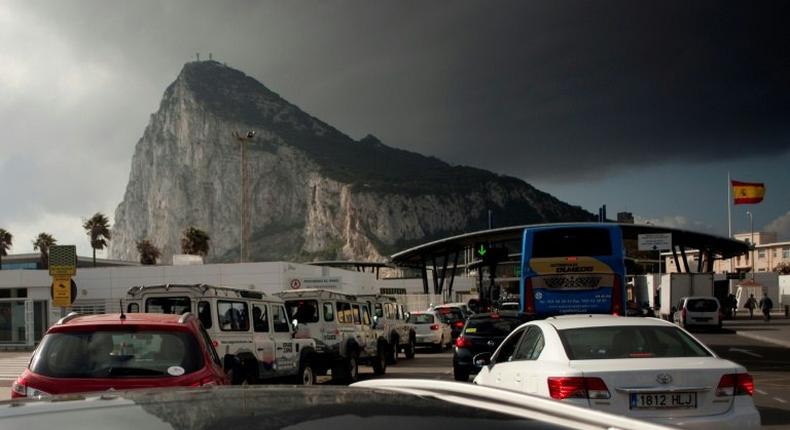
<point x="442" y="255"/>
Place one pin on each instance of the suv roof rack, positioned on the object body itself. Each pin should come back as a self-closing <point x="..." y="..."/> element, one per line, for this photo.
<point x="67" y="318"/>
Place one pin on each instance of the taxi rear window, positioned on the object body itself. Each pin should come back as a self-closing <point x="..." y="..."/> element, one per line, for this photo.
<point x="117" y="354"/>
<point x="600" y="343"/>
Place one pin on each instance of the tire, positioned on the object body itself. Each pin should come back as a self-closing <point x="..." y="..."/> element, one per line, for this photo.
<point x="248" y="374"/>
<point x="460" y="374"/>
<point x="392" y="352"/>
<point x="306" y="375"/>
<point x="380" y="361"/>
<point x="409" y="350"/>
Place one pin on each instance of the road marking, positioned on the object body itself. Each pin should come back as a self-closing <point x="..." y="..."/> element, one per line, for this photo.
<point x="761" y="392"/>
<point x="780" y="400"/>
<point x="745" y="351"/>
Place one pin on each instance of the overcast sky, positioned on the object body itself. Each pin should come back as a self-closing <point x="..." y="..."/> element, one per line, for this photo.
<point x="641" y="107"/>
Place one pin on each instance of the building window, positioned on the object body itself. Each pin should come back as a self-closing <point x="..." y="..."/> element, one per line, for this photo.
<point x="786" y="253"/>
<point x="761" y="253"/>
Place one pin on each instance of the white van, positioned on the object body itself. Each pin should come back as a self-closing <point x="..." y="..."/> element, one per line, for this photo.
<point x="251" y="325"/>
<point x="343" y="329"/>
<point x="698" y="311"/>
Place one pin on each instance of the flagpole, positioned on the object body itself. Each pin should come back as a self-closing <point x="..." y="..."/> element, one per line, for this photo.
<point x="729" y="212"/>
<point x="729" y="205"/>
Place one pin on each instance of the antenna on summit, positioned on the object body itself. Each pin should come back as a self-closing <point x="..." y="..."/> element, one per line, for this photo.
<point x="209" y="56"/>
<point x="197" y="55"/>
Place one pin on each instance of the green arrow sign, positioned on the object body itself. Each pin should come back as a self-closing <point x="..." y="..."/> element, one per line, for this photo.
<point x="482" y="251"/>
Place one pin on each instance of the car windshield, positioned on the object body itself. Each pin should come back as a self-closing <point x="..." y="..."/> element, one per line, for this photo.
<point x="450" y="314"/>
<point x="702" y="305"/>
<point x="599" y="343"/>
<point x="168" y="305"/>
<point x="421" y="319"/>
<point x="304" y="311"/>
<point x="117" y="354"/>
<point x="491" y="326"/>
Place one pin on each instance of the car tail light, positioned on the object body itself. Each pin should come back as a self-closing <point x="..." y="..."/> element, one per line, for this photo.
<point x="495" y="316"/>
<point x="463" y="342"/>
<point x="617" y="297"/>
<point x="215" y="343"/>
<point x="577" y="388"/>
<point x="459" y="324"/>
<point x="735" y="384"/>
<point x="434" y="326"/>
<point x="529" y="297"/>
<point x="19" y="389"/>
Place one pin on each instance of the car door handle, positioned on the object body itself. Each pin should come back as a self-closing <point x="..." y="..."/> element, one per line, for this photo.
<point x="261" y="349"/>
<point x="280" y="348"/>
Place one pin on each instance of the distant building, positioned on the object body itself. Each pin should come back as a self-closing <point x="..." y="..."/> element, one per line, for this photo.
<point x="625" y="217"/>
<point x="767" y="254"/>
<point x="32" y="261"/>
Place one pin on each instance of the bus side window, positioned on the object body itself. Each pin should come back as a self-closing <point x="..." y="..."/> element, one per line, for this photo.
<point x="204" y="314"/>
<point x="133" y="308"/>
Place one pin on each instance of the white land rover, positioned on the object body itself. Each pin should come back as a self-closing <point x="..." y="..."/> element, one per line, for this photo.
<point x="251" y="325"/>
<point x="342" y="327"/>
<point x="390" y="317"/>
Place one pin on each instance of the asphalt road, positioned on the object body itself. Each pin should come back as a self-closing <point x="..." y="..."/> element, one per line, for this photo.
<point x="769" y="365"/>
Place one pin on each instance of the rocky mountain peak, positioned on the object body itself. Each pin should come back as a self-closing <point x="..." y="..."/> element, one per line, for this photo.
<point x="315" y="193"/>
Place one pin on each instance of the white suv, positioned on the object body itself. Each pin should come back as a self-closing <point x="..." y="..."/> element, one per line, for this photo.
<point x="342" y="327"/>
<point x="698" y="311"/>
<point x="390" y="317"/>
<point x="248" y="324"/>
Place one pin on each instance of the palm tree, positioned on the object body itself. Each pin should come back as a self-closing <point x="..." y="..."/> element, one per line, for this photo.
<point x="98" y="228"/>
<point x="5" y="244"/>
<point x="149" y="253"/>
<point x="42" y="244"/>
<point x="195" y="242"/>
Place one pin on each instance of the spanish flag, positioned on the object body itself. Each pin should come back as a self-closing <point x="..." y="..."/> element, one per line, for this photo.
<point x="746" y="193"/>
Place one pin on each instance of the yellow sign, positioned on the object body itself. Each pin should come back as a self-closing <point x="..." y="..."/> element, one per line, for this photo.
<point x="568" y="266"/>
<point x="61" y="291"/>
<point x="61" y="270"/>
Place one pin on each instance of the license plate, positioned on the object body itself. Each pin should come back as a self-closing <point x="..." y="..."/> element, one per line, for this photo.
<point x="686" y="400"/>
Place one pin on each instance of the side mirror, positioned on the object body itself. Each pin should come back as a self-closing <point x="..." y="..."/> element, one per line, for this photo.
<point x="482" y="359"/>
<point x="406" y="315"/>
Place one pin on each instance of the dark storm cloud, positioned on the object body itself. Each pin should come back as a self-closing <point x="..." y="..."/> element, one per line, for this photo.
<point x="555" y="91"/>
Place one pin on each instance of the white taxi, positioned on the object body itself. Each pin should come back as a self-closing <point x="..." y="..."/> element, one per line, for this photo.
<point x="644" y="368"/>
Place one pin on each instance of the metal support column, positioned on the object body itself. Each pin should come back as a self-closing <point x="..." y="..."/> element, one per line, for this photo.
<point x="452" y="273"/>
<point x="685" y="259"/>
<point x="675" y="257"/>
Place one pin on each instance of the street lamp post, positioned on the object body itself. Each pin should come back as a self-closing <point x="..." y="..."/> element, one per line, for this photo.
<point x="244" y="217"/>
<point x="751" y="229"/>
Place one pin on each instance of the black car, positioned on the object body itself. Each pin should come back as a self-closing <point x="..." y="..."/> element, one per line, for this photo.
<point x="482" y="333"/>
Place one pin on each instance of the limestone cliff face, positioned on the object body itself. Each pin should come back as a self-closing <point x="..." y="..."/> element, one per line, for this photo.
<point x="315" y="192"/>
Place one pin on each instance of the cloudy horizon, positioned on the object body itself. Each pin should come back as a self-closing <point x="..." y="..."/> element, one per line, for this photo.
<point x="643" y="108"/>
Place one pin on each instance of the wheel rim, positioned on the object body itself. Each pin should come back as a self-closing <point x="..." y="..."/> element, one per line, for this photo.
<point x="307" y="376"/>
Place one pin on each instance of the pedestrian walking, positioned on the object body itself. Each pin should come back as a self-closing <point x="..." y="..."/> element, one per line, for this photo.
<point x="766" y="304"/>
<point x="751" y="303"/>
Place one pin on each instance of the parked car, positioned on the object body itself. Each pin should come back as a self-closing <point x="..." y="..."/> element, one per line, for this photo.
<point x="698" y="312"/>
<point x="482" y="333"/>
<point x="117" y="351"/>
<point x="253" y="326"/>
<point x="454" y="316"/>
<point x="381" y="404"/>
<point x="644" y="368"/>
<point x="430" y="330"/>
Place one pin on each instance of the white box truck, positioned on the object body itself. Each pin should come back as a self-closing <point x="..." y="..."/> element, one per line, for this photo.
<point x="675" y="286"/>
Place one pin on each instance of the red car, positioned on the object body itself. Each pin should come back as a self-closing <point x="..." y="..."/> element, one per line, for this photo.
<point x="116" y="351"/>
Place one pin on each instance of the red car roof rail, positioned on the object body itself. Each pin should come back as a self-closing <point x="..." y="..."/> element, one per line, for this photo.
<point x="67" y="318"/>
